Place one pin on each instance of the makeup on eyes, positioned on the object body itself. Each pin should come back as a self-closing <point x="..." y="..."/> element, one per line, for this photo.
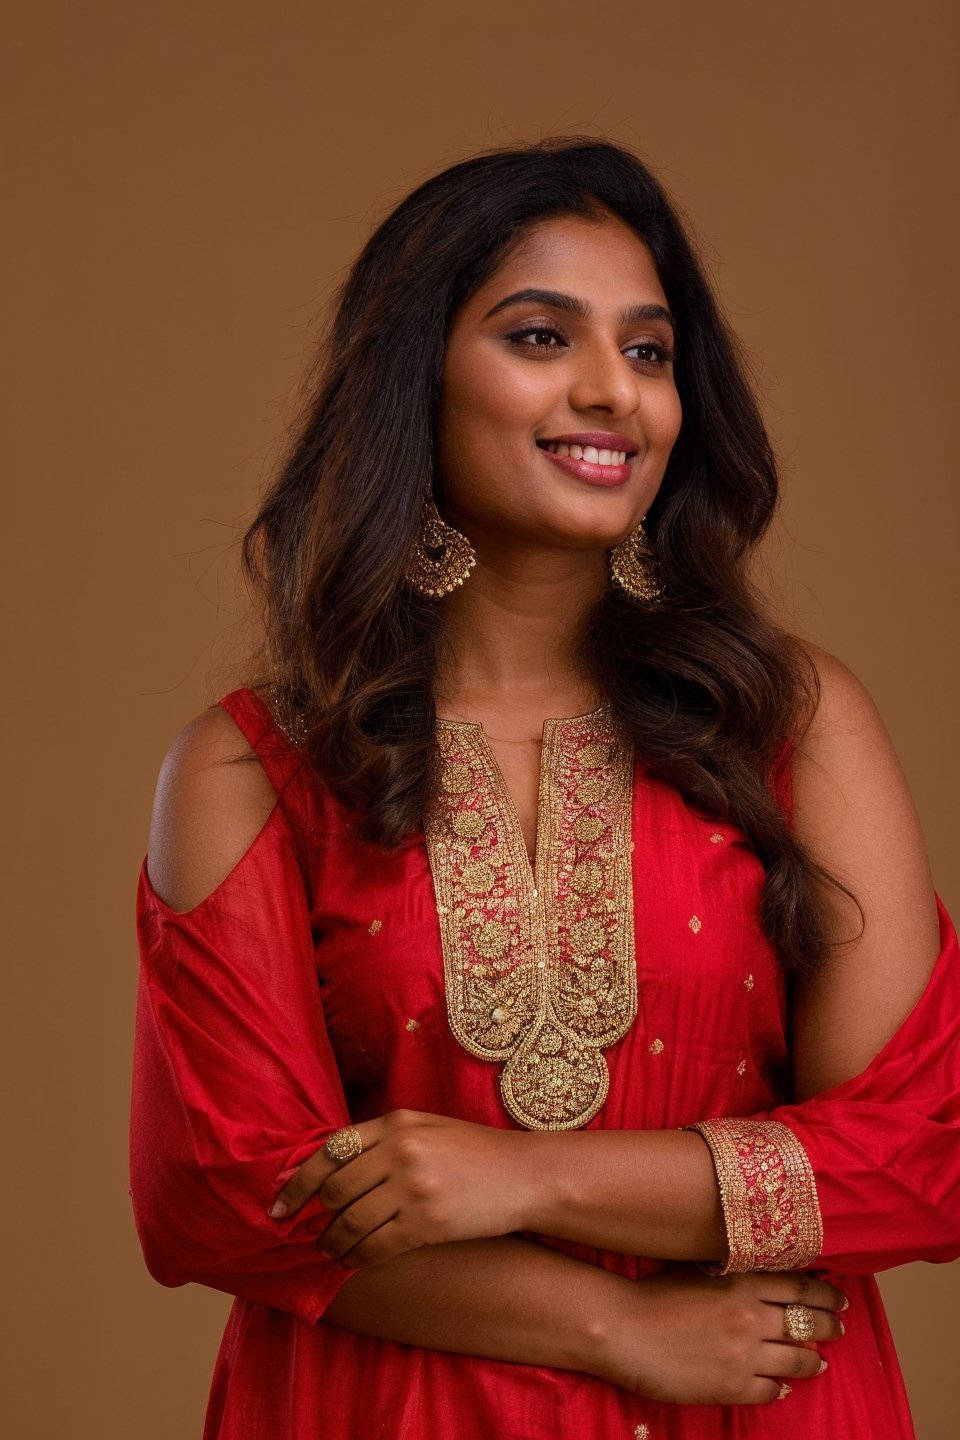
<point x="664" y="355"/>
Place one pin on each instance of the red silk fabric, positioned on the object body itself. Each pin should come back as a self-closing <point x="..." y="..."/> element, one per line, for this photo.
<point x="307" y="990"/>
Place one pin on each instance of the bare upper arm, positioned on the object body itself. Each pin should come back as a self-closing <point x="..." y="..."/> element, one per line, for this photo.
<point x="212" y="799"/>
<point x="854" y="813"/>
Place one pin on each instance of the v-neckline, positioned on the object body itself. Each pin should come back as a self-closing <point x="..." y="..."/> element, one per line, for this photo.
<point x="539" y="968"/>
<point x="548" y="732"/>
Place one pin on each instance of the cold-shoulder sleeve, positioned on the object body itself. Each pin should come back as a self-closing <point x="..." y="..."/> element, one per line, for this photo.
<point x="234" y="1083"/>
<point x="865" y="1175"/>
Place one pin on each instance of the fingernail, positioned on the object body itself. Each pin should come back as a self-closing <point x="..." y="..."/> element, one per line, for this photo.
<point x="843" y="1328"/>
<point x="823" y="1366"/>
<point x="846" y="1303"/>
<point x="278" y="1209"/>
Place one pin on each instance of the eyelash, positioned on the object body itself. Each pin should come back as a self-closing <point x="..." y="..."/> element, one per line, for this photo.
<point x="665" y="355"/>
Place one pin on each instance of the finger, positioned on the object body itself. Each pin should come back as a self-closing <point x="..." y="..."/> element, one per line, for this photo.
<point x="760" y="1390"/>
<point x="356" y="1222"/>
<point x="306" y="1179"/>
<point x="795" y="1288"/>
<point x="826" y="1325"/>
<point x="789" y="1362"/>
<point x="313" y="1171"/>
<point x="385" y="1243"/>
<point x="348" y="1182"/>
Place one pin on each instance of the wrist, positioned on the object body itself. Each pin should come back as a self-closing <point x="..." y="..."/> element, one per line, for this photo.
<point x="540" y="1181"/>
<point x="598" y="1323"/>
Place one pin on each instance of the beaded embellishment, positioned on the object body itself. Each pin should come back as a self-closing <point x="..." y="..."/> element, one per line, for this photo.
<point x="539" y="962"/>
<point x="769" y="1195"/>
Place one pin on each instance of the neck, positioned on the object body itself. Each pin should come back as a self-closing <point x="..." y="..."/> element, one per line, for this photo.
<point x="515" y="629"/>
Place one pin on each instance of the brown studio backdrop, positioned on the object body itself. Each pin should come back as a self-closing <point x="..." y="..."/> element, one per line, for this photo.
<point x="185" y="184"/>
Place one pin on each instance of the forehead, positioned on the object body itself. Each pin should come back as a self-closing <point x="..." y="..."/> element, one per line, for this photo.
<point x="601" y="260"/>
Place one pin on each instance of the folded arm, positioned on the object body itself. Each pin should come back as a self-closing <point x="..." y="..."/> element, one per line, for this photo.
<point x="859" y="1174"/>
<point x="235" y="1086"/>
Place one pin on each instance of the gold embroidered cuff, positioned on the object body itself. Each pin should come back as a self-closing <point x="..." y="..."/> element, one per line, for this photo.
<point x="770" y="1206"/>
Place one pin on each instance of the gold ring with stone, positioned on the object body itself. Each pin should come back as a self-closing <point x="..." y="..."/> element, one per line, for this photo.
<point x="344" y="1144"/>
<point x="799" y="1322"/>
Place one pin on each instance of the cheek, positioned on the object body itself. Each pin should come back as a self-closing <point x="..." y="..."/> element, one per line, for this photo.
<point x="664" y="416"/>
<point x="497" y="398"/>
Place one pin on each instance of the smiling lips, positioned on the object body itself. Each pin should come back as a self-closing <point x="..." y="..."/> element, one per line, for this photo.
<point x="596" y="457"/>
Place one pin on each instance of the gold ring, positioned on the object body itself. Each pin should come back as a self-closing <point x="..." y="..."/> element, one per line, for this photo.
<point x="344" y="1144"/>
<point x="799" y="1322"/>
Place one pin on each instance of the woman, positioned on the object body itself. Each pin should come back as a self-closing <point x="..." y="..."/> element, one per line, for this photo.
<point x="547" y="1024"/>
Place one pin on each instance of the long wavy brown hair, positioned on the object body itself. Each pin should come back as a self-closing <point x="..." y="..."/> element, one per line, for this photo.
<point x="707" y="686"/>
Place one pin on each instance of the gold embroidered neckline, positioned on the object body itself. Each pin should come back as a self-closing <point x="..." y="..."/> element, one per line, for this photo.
<point x="538" y="960"/>
<point x="602" y="713"/>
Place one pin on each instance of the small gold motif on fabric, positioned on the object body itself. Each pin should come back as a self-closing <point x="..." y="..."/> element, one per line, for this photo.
<point x="716" y="838"/>
<point x="539" y="963"/>
<point x="696" y="925"/>
<point x="374" y="927"/>
<point x="656" y="1047"/>
<point x="742" y="1068"/>
<point x="748" y="984"/>
<point x="642" y="1432"/>
<point x="412" y="1024"/>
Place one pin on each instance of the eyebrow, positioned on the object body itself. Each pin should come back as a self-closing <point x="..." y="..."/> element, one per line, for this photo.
<point x="573" y="306"/>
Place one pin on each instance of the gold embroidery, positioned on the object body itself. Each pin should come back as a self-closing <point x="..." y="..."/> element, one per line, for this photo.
<point x="539" y="963"/>
<point x="716" y="838"/>
<point x="642" y="1432"/>
<point x="588" y="828"/>
<point x="374" y="927"/>
<point x="468" y="824"/>
<point x="656" y="1047"/>
<point x="769" y="1195"/>
<point x="412" y="1024"/>
<point x="748" y="983"/>
<point x="287" y="714"/>
<point x="742" y="1068"/>
<point x="696" y="925"/>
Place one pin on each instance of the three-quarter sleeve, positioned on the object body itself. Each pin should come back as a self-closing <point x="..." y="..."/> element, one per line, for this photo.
<point x="234" y="1084"/>
<point x="865" y="1175"/>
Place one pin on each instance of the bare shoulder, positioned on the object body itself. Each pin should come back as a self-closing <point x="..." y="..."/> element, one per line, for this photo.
<point x="845" y="706"/>
<point x="212" y="798"/>
<point x="854" y="814"/>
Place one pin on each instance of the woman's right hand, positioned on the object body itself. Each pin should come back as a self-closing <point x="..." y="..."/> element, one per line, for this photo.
<point x="696" y="1339"/>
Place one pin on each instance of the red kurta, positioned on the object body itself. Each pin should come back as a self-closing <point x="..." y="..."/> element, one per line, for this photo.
<point x="309" y="990"/>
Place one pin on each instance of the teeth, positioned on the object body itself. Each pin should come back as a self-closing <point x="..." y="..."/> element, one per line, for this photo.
<point x="587" y="452"/>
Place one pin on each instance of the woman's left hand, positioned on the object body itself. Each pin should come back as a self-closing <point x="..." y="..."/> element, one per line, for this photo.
<point x="420" y="1179"/>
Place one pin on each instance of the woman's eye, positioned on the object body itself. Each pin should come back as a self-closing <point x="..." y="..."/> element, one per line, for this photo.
<point x="542" y="335"/>
<point x="655" y="353"/>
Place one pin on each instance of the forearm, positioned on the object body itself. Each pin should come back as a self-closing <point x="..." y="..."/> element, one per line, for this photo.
<point x="640" y="1192"/>
<point x="503" y="1299"/>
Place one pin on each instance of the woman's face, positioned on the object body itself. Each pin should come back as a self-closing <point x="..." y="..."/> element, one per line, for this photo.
<point x="584" y="362"/>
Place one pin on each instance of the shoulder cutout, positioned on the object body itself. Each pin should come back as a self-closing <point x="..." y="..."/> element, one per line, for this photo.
<point x="854" y="814"/>
<point x="212" y="799"/>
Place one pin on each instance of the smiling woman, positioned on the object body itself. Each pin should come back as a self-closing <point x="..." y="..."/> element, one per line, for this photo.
<point x="547" y="1024"/>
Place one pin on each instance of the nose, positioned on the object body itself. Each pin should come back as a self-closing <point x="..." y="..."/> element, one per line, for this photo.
<point x="604" y="380"/>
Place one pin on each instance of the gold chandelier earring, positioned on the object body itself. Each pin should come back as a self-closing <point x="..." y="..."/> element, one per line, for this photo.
<point x="442" y="558"/>
<point x="633" y="566"/>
